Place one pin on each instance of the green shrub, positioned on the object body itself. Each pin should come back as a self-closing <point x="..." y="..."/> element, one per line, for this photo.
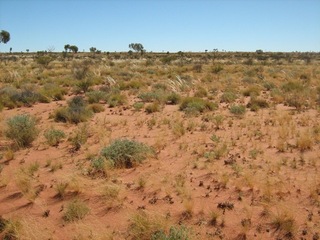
<point x="96" y="96"/>
<point x="238" y="110"/>
<point x="116" y="99"/>
<point x="193" y="105"/>
<point x="75" y="210"/>
<point x="133" y="84"/>
<point x="154" y="96"/>
<point x="126" y="153"/>
<point x="54" y="136"/>
<point x="22" y="130"/>
<point x="138" y="106"/>
<point x="175" y="233"/>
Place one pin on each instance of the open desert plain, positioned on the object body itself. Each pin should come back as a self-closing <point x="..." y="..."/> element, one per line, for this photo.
<point x="211" y="145"/>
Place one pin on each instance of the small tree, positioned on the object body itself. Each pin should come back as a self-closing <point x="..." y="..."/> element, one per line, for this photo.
<point x="67" y="47"/>
<point x="74" y="48"/>
<point x="4" y="36"/>
<point x="138" y="47"/>
<point x="93" y="49"/>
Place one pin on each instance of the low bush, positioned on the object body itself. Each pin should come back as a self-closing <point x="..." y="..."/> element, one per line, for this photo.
<point x="153" y="107"/>
<point x="228" y="97"/>
<point x="256" y="103"/>
<point x="124" y="153"/>
<point x="76" y="112"/>
<point x="54" y="136"/>
<point x="116" y="99"/>
<point x="22" y="130"/>
<point x="193" y="105"/>
<point x="238" y="110"/>
<point x="96" y="96"/>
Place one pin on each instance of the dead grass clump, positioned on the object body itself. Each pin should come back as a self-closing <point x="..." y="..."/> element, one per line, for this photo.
<point x="284" y="225"/>
<point x="75" y="210"/>
<point x="304" y="141"/>
<point x="146" y="225"/>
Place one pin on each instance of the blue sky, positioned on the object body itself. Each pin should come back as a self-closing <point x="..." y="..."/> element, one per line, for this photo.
<point x="162" y="25"/>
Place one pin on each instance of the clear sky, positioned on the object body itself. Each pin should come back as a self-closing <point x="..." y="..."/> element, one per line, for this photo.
<point x="162" y="25"/>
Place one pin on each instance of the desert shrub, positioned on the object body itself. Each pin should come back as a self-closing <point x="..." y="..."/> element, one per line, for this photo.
<point x="80" y="70"/>
<point x="173" y="98"/>
<point x="96" y="96"/>
<point x="153" y="107"/>
<point x="284" y="225"/>
<point x="157" y="95"/>
<point x="116" y="99"/>
<point x="175" y="233"/>
<point x="256" y="103"/>
<point x="145" y="225"/>
<point x="160" y="86"/>
<point x="238" y="110"/>
<point x="75" y="210"/>
<point x="83" y="85"/>
<point x="10" y="229"/>
<point x="44" y="60"/>
<point x="54" y="136"/>
<point x="216" y="69"/>
<point x="269" y="85"/>
<point x="26" y="97"/>
<point x="22" y="130"/>
<point x="194" y="105"/>
<point x="292" y="86"/>
<point x="133" y="84"/>
<point x="201" y="92"/>
<point x="126" y="153"/>
<point x="52" y="91"/>
<point x="197" y="68"/>
<point x="96" y="107"/>
<point x="80" y="137"/>
<point x="6" y="96"/>
<point x="251" y="91"/>
<point x="228" y="97"/>
<point x="76" y="112"/>
<point x="248" y="80"/>
<point x="296" y="99"/>
<point x="138" y="106"/>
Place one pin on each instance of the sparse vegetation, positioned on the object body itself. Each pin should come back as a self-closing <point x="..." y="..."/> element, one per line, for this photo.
<point x="22" y="130"/>
<point x="238" y="130"/>
<point x="75" y="210"/>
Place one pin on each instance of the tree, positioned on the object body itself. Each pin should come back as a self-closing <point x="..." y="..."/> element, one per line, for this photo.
<point x="138" y="47"/>
<point x="4" y="36"/>
<point x="74" y="48"/>
<point x="93" y="49"/>
<point x="11" y="50"/>
<point x="66" y="47"/>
